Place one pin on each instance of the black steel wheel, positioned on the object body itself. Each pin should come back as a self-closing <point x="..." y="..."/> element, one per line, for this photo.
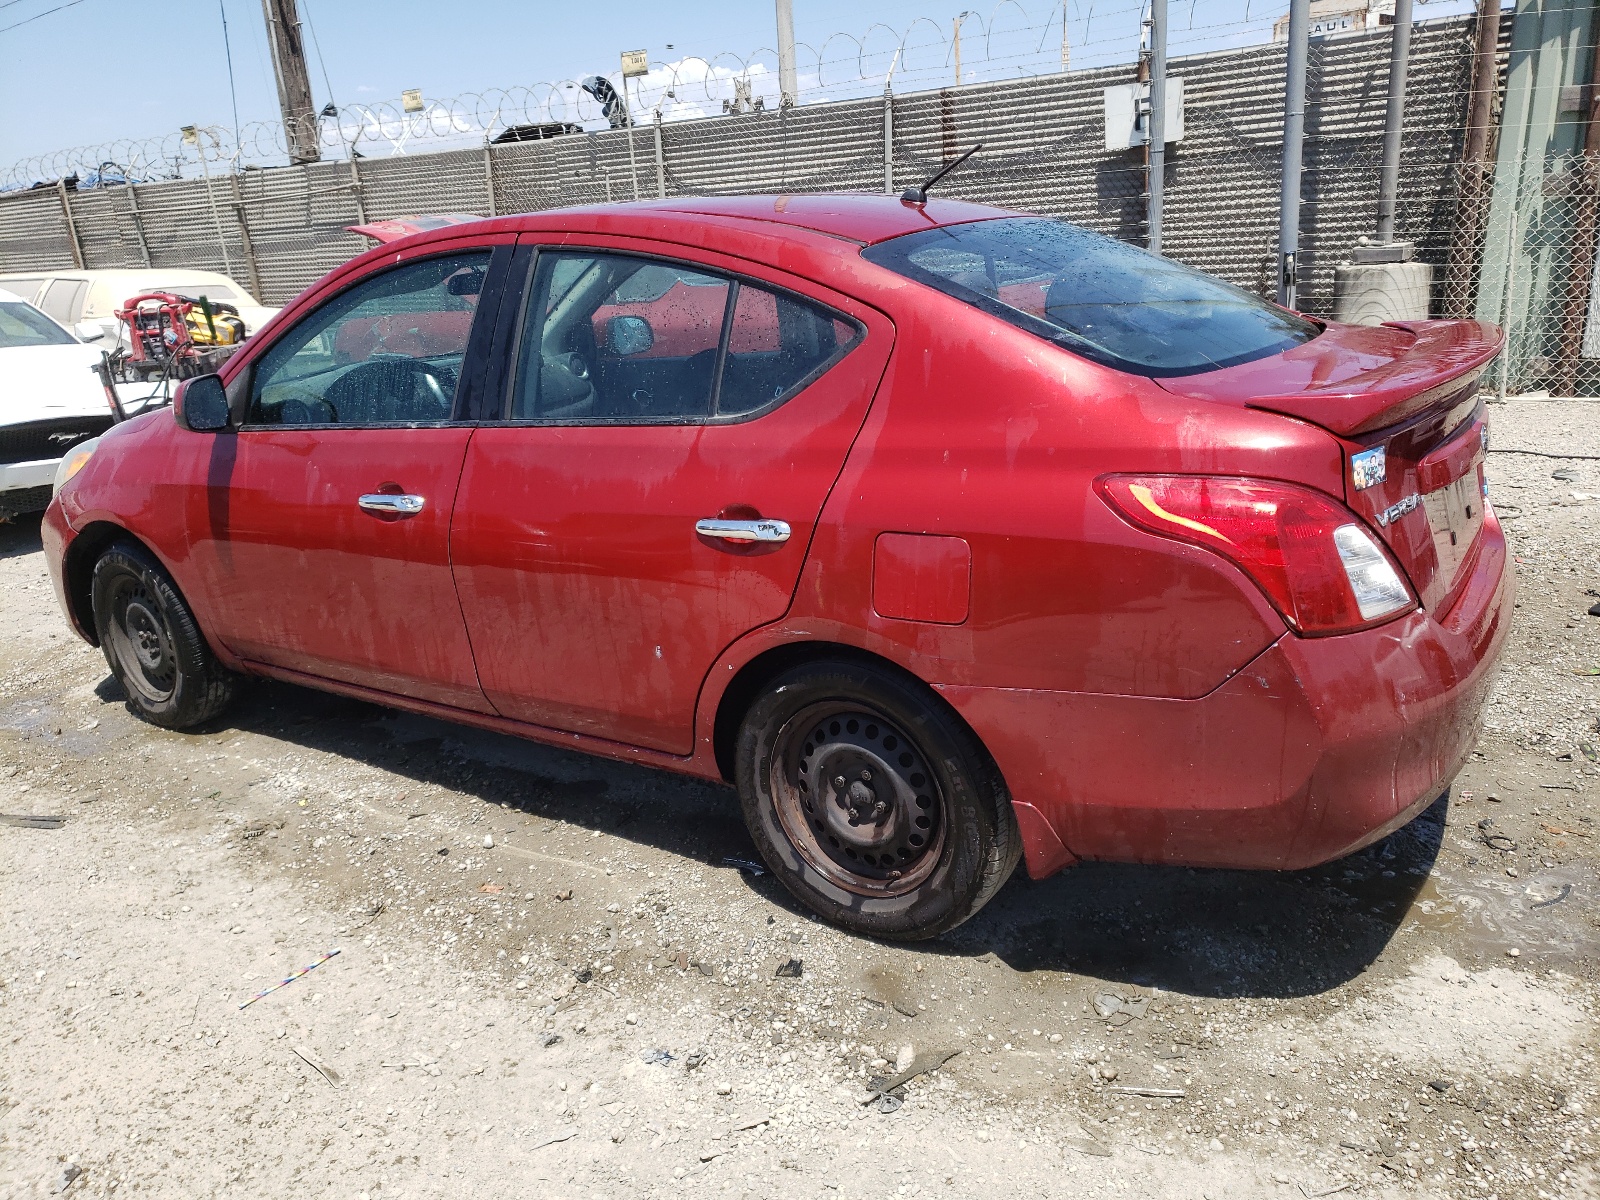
<point x="873" y="802"/>
<point x="152" y="643"/>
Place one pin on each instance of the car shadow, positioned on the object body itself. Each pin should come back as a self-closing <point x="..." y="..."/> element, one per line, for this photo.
<point x="1209" y="933"/>
<point x="1216" y="933"/>
<point x="20" y="536"/>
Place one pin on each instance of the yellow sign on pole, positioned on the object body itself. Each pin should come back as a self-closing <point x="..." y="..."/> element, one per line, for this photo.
<point x="635" y="62"/>
<point x="411" y="99"/>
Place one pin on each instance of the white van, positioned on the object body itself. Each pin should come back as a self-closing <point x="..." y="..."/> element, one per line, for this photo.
<point x="86" y="302"/>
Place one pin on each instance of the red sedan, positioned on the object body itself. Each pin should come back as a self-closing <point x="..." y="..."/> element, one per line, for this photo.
<point x="950" y="536"/>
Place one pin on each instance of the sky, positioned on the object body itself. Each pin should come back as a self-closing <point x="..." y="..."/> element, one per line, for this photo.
<point x="92" y="72"/>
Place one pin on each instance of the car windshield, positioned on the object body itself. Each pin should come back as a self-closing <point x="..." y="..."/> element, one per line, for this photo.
<point x="24" y="325"/>
<point x="1108" y="301"/>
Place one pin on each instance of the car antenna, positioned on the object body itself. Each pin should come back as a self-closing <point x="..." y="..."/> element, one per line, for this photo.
<point x="919" y="195"/>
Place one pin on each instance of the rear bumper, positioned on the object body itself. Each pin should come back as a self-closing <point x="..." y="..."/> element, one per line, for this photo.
<point x="1319" y="747"/>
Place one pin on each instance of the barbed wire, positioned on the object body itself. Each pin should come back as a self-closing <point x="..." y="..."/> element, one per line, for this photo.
<point x="972" y="47"/>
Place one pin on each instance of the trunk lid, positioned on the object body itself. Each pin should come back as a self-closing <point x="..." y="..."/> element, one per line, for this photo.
<point x="1402" y="399"/>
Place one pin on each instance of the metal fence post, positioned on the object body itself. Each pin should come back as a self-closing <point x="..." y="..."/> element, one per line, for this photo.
<point x="661" y="161"/>
<point x="488" y="180"/>
<point x="72" y="226"/>
<point x="138" y="222"/>
<point x="888" y="140"/>
<point x="244" y="238"/>
<point x="1505" y="303"/>
<point x="355" y="188"/>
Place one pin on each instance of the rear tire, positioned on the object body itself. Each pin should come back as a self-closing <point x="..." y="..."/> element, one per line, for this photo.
<point x="153" y="643"/>
<point x="872" y="802"/>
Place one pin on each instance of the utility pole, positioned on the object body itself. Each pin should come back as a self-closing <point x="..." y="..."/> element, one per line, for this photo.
<point x="788" y="85"/>
<point x="294" y="82"/>
<point x="1394" y="120"/>
<point x="1294" y="128"/>
<point x="1157" y="158"/>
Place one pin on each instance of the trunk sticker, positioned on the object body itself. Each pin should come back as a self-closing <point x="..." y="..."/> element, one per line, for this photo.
<point x="1399" y="509"/>
<point x="1369" y="467"/>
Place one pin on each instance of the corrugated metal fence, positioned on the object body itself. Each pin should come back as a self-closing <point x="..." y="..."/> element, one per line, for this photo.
<point x="280" y="229"/>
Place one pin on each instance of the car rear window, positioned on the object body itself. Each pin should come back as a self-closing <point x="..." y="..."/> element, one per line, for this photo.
<point x="1112" y="303"/>
<point x="23" y="325"/>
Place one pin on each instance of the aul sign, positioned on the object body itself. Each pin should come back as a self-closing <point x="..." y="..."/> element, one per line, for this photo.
<point x="635" y="62"/>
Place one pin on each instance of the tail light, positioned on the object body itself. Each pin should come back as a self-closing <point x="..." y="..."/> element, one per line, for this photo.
<point x="1315" y="561"/>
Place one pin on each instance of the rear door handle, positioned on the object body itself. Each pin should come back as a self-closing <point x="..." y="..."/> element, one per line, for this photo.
<point x="385" y="502"/>
<point x="743" y="531"/>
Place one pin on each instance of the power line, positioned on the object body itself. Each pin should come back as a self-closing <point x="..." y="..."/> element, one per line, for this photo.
<point x="36" y="16"/>
<point x="233" y="93"/>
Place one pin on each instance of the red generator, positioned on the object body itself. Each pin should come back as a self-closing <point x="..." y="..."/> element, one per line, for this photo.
<point x="178" y="336"/>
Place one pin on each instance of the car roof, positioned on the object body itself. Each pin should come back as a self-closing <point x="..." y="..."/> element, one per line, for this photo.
<point x="11" y="298"/>
<point x="859" y="217"/>
<point x="864" y="217"/>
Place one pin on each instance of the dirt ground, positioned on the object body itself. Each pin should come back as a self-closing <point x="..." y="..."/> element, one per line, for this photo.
<point x="591" y="1006"/>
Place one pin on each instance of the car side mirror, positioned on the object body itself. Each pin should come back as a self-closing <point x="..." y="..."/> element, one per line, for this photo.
<point x="627" y="335"/>
<point x="201" y="404"/>
<point x="88" y="331"/>
<point x="465" y="283"/>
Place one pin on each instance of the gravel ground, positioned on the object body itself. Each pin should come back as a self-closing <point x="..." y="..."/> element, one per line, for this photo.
<point x="548" y="977"/>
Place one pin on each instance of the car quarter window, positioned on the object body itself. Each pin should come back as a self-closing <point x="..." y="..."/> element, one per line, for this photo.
<point x="619" y="339"/>
<point x="387" y="351"/>
<point x="63" y="299"/>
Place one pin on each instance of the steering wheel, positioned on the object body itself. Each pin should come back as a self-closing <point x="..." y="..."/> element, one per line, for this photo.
<point x="392" y="389"/>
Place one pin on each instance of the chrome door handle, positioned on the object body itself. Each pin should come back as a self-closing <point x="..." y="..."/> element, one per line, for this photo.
<point x="384" y="502"/>
<point x="743" y="531"/>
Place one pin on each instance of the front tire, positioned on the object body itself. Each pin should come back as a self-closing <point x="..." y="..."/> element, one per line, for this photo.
<point x="153" y="643"/>
<point x="872" y="802"/>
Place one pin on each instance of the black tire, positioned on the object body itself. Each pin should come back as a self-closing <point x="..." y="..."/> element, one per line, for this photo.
<point x="922" y="833"/>
<point x="152" y="642"/>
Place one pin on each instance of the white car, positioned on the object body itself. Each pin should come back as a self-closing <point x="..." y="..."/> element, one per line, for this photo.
<point x="86" y="302"/>
<point x="51" y="402"/>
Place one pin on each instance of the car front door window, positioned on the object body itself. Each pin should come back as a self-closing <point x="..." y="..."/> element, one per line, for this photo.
<point x="388" y="351"/>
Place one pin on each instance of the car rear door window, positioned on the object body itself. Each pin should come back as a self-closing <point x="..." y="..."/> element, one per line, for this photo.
<point x="388" y="351"/>
<point x="776" y="345"/>
<point x="613" y="338"/>
<point x="621" y="339"/>
<point x="63" y="299"/>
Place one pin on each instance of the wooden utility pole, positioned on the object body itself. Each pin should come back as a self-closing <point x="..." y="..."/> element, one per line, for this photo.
<point x="294" y="83"/>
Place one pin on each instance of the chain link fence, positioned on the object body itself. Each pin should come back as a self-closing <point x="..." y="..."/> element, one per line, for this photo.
<point x="277" y="230"/>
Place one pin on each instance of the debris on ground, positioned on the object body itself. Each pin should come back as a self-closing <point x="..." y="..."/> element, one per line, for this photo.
<point x="1118" y="1009"/>
<point x="928" y="1060"/>
<point x="318" y="1065"/>
<point x="29" y="821"/>
<point x="553" y="1139"/>
<point x="288" y="979"/>
<point x="1154" y="1093"/>
<point x="748" y="865"/>
<point x="790" y="970"/>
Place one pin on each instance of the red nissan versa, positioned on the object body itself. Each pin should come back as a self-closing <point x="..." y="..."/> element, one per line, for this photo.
<point x="949" y="535"/>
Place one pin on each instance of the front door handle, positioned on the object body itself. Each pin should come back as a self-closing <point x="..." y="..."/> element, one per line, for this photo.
<point x="385" y="502"/>
<point x="743" y="531"/>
